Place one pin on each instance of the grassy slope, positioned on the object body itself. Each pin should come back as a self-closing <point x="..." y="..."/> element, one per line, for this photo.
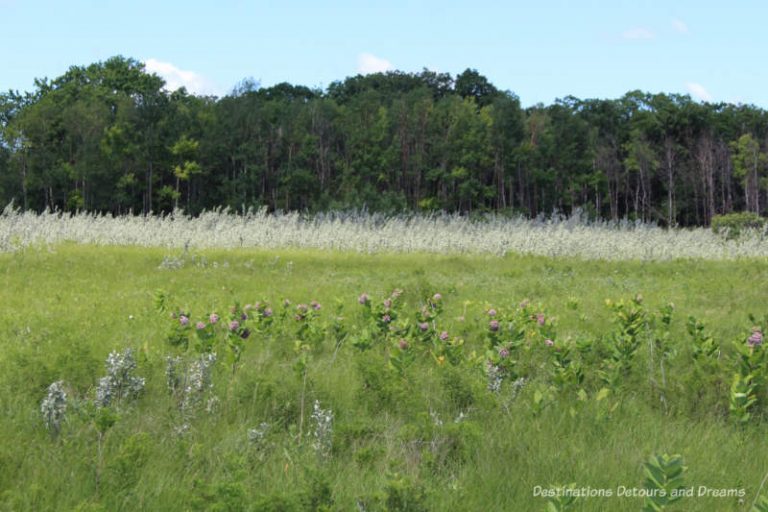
<point x="64" y="311"/>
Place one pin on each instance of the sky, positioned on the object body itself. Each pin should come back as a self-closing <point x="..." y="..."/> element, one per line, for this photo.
<point x="540" y="50"/>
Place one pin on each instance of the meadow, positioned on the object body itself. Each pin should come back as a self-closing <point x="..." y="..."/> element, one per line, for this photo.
<point x="161" y="377"/>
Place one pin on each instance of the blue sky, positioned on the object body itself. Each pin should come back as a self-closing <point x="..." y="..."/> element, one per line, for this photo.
<point x="540" y="49"/>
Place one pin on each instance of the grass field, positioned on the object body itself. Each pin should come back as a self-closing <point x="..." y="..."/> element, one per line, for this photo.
<point x="406" y="418"/>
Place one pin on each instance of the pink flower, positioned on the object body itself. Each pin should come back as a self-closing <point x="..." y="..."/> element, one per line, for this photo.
<point x="363" y="299"/>
<point x="504" y="353"/>
<point x="315" y="305"/>
<point x="403" y="344"/>
<point x="200" y="326"/>
<point x="267" y="312"/>
<point x="540" y="318"/>
<point x="184" y="320"/>
<point x="491" y="312"/>
<point x="549" y="342"/>
<point x="444" y="336"/>
<point x="386" y="319"/>
<point x="213" y="318"/>
<point x="387" y="303"/>
<point x="437" y="297"/>
<point x="423" y="326"/>
<point x="234" y="325"/>
<point x="494" y="325"/>
<point x="756" y="338"/>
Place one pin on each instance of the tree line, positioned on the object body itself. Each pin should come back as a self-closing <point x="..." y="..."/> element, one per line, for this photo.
<point x="108" y="137"/>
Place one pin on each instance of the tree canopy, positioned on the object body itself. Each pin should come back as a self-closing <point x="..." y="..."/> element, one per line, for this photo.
<point x="109" y="137"/>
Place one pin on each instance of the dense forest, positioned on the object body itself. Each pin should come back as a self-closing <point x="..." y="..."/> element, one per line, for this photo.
<point x="109" y="138"/>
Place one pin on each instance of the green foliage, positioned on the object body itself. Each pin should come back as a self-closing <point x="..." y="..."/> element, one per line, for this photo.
<point x="742" y="398"/>
<point x="664" y="479"/>
<point x="566" y="501"/>
<point x="732" y="225"/>
<point x="108" y="137"/>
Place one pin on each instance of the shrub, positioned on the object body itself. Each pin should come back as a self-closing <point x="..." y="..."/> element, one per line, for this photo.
<point x="732" y="225"/>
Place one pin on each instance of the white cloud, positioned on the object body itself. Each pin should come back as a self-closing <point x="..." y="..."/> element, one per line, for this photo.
<point x="176" y="78"/>
<point x="680" y="26"/>
<point x="698" y="91"/>
<point x="638" y="34"/>
<point x="368" y="63"/>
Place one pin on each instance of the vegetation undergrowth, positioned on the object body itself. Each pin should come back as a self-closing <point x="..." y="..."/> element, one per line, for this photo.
<point x="135" y="378"/>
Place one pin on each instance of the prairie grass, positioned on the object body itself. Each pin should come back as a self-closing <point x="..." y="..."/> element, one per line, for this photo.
<point x="370" y="233"/>
<point x="433" y="439"/>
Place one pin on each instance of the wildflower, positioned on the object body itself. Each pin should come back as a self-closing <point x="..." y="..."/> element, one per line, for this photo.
<point x="245" y="333"/>
<point x="756" y="338"/>
<point x="234" y="325"/>
<point x="423" y="326"/>
<point x="386" y="319"/>
<point x="172" y="377"/>
<point x="495" y="376"/>
<point x="540" y="318"/>
<point x="387" y="303"/>
<point x="444" y="336"/>
<point x="213" y="318"/>
<point x="504" y="353"/>
<point x="437" y="297"/>
<point x="302" y="309"/>
<point x="493" y="325"/>
<point x="517" y="385"/>
<point x="315" y="305"/>
<point x="396" y="293"/>
<point x="403" y="344"/>
<point x="323" y="432"/>
<point x="363" y="299"/>
<point x="257" y="435"/>
<point x="243" y="317"/>
<point x="286" y="303"/>
<point x="248" y="307"/>
<point x="120" y="380"/>
<point x="53" y="407"/>
<point x="200" y="326"/>
<point x="198" y="382"/>
<point x="549" y="342"/>
<point x="267" y="312"/>
<point x="184" y="320"/>
<point x="491" y="312"/>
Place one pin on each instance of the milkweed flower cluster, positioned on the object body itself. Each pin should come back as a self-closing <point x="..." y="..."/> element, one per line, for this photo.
<point x="119" y="381"/>
<point x="322" y="435"/>
<point x="53" y="407"/>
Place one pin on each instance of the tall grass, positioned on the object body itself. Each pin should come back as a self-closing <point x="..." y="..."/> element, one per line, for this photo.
<point x="371" y="233"/>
